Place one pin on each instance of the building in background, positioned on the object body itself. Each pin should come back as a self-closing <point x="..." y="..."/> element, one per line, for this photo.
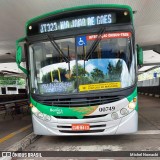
<point x="12" y="85"/>
<point x="155" y="73"/>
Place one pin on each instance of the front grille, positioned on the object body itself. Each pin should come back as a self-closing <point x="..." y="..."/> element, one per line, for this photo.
<point x="81" y="102"/>
<point x="91" y="131"/>
<point x="94" y="116"/>
<point x="85" y="117"/>
<point x="94" y="126"/>
<point x="65" y="117"/>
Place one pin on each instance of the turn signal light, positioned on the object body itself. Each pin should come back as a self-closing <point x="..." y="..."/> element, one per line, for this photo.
<point x="134" y="99"/>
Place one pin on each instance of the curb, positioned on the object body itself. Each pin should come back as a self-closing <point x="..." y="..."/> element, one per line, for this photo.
<point x="25" y="142"/>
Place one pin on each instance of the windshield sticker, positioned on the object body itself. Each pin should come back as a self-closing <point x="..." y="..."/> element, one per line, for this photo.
<point x="100" y="86"/>
<point x="56" y="87"/>
<point x="110" y="35"/>
<point x="81" y="41"/>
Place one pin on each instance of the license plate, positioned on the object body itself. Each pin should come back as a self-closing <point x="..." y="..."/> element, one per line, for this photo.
<point x="80" y="127"/>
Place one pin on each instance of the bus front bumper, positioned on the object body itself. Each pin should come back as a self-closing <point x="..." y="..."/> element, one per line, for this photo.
<point x="98" y="126"/>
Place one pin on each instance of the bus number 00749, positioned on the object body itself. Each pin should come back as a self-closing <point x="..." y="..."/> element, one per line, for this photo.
<point x="104" y="109"/>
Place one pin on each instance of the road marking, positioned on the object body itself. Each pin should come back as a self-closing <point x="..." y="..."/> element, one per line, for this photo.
<point x="14" y="133"/>
<point x="87" y="148"/>
<point x="151" y="132"/>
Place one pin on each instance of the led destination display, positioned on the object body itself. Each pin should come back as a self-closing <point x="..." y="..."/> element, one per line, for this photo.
<point x="73" y="22"/>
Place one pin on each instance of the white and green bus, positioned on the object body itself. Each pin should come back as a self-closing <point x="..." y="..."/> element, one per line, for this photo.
<point x="82" y="70"/>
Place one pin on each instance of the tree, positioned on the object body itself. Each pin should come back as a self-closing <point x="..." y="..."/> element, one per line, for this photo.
<point x="110" y="71"/>
<point x="12" y="81"/>
<point x="97" y="74"/>
<point x="118" y="68"/>
<point x="82" y="75"/>
<point x="46" y="78"/>
<point x="114" y="72"/>
<point x="81" y="71"/>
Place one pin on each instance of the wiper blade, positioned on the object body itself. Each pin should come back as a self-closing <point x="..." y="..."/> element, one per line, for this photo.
<point x="55" y="45"/>
<point x="95" y="43"/>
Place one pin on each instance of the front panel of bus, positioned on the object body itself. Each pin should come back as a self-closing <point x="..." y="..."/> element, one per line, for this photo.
<point x="83" y="72"/>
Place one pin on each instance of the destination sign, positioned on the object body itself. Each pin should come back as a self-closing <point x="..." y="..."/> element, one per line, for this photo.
<point x="73" y="22"/>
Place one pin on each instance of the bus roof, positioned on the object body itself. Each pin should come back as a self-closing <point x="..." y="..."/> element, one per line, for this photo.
<point x="80" y="7"/>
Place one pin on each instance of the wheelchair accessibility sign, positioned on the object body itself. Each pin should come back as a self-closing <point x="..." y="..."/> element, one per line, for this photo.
<point x="81" y="41"/>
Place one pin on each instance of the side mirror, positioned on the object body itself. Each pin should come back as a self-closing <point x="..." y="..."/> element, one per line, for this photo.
<point x="19" y="51"/>
<point x="19" y="54"/>
<point x="139" y="55"/>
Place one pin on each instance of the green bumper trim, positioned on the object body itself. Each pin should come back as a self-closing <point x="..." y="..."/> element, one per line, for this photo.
<point x="78" y="112"/>
<point x="130" y="98"/>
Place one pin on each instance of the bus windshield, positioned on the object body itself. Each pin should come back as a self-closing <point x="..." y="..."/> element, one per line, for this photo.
<point x="70" y="65"/>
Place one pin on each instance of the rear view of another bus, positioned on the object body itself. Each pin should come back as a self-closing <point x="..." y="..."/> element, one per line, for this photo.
<point x="81" y="66"/>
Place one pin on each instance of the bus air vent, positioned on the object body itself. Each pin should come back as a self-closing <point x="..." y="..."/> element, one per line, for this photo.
<point x="81" y="102"/>
<point x="90" y="131"/>
<point x="85" y="117"/>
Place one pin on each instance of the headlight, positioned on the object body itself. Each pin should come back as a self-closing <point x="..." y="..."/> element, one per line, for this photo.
<point x="132" y="105"/>
<point x="40" y="115"/>
<point x="35" y="110"/>
<point x="124" y="111"/>
<point x="114" y="115"/>
<point x="47" y="118"/>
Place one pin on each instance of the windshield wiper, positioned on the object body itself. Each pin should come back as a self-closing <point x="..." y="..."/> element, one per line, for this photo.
<point x="55" y="45"/>
<point x="95" y="43"/>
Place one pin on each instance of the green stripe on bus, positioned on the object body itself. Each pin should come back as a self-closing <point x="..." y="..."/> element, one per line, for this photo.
<point x="78" y="112"/>
<point x="131" y="96"/>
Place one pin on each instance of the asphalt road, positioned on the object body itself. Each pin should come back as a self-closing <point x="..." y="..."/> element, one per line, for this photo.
<point x="13" y="130"/>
